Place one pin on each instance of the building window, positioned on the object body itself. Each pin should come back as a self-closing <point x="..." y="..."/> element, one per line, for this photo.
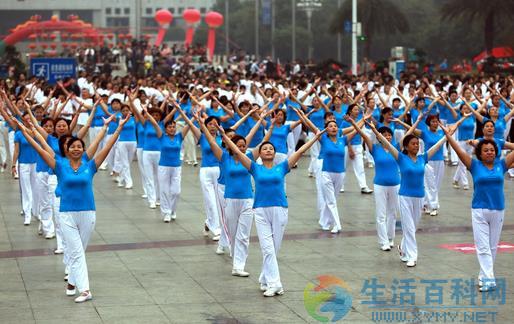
<point x="180" y="10"/>
<point x="108" y="11"/>
<point x="126" y="11"/>
<point x="149" y="11"/>
<point x="117" y="11"/>
<point x="117" y="22"/>
<point x="172" y="10"/>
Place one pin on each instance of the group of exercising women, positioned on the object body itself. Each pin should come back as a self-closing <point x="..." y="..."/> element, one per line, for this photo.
<point x="248" y="138"/>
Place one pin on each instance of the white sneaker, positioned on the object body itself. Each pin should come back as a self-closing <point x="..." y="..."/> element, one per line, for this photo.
<point x="391" y="244"/>
<point x="386" y="247"/>
<point x="153" y="206"/>
<point x="263" y="287"/>
<point x="58" y="251"/>
<point x="465" y="187"/>
<point x="273" y="291"/>
<point x="216" y="237"/>
<point x="49" y="236"/>
<point x="240" y="273"/>
<point x="158" y="203"/>
<point x="173" y="216"/>
<point x="325" y="228"/>
<point x="366" y="191"/>
<point x="66" y="276"/>
<point x="167" y="218"/>
<point x="84" y="296"/>
<point x="341" y="190"/>
<point x="40" y="229"/>
<point x="456" y="185"/>
<point x="335" y="230"/>
<point x="433" y="212"/>
<point x="116" y="179"/>
<point x="128" y="187"/>
<point x="26" y="222"/>
<point x="411" y="264"/>
<point x="403" y="258"/>
<point x="480" y="283"/>
<point x="144" y="196"/>
<point x="426" y="210"/>
<point x="103" y="167"/>
<point x="120" y="184"/>
<point x="488" y="287"/>
<point x="220" y="250"/>
<point x="71" y="292"/>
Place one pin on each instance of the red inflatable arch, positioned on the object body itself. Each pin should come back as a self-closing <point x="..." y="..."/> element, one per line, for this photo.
<point x="36" y="27"/>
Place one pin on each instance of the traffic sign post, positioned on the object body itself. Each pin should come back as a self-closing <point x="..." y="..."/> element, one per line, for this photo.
<point x="53" y="69"/>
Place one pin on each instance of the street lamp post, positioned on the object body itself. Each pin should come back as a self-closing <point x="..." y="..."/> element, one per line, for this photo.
<point x="309" y="6"/>
<point x="293" y="28"/>
<point x="354" y="37"/>
<point x="256" y="29"/>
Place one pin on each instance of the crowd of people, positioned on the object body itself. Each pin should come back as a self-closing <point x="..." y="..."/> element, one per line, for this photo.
<point x="251" y="130"/>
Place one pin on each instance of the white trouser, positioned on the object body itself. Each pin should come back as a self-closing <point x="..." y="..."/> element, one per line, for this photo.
<point x="410" y="212"/>
<point x="331" y="183"/>
<point x="111" y="156"/>
<point x="292" y="138"/>
<point x="208" y="180"/>
<point x="124" y="157"/>
<point x="320" y="200"/>
<point x="398" y="135"/>
<point x="487" y="227"/>
<point x="357" y="164"/>
<point x="144" y="179"/>
<point x="447" y="148"/>
<point x="314" y="153"/>
<point x="10" y="139"/>
<point x="434" y="172"/>
<point x="46" y="185"/>
<point x="461" y="174"/>
<point x="93" y="132"/>
<point x="189" y="147"/>
<point x="151" y="166"/>
<point x="169" y="184"/>
<point x="239" y="217"/>
<point x="61" y="245"/>
<point x="220" y="207"/>
<point x="27" y="173"/>
<point x="367" y="153"/>
<point x="4" y="142"/>
<point x="270" y="223"/>
<point x="77" y="228"/>
<point x="386" y="208"/>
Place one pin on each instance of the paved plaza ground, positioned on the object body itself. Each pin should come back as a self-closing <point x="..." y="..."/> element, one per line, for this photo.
<point x="142" y="270"/>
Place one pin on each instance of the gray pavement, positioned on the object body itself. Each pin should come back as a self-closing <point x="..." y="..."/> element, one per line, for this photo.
<point x="144" y="271"/>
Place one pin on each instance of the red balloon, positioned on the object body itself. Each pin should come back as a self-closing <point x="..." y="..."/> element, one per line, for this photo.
<point x="53" y="36"/>
<point x="110" y="35"/>
<point x="64" y="45"/>
<point x="214" y="19"/>
<point x="128" y="36"/>
<point x="73" y="45"/>
<point x="121" y="36"/>
<point x="163" y="17"/>
<point x="53" y="45"/>
<point x="44" y="45"/>
<point x="32" y="46"/>
<point x="191" y="16"/>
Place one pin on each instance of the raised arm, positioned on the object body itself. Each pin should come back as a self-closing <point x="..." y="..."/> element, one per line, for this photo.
<point x="253" y="131"/>
<point x="477" y="115"/>
<point x="243" y="119"/>
<point x="93" y="146"/>
<point x="46" y="156"/>
<point x="390" y="147"/>
<point x="83" y="131"/>
<point x="293" y="159"/>
<point x="196" y="132"/>
<point x="245" y="160"/>
<point x="155" y="124"/>
<point x="216" y="149"/>
<point x="365" y="138"/>
<point x="413" y="128"/>
<point x="463" y="156"/>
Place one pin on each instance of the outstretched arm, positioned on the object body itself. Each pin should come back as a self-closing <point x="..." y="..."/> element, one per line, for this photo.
<point x="365" y="137"/>
<point x="463" y="156"/>
<point x="216" y="149"/>
<point x="390" y="147"/>
<point x="293" y="159"/>
<point x="196" y="132"/>
<point x="245" y="160"/>
<point x="91" y="150"/>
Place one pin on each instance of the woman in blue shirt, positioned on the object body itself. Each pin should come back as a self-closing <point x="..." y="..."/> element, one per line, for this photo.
<point x="465" y="134"/>
<point x="488" y="204"/>
<point x="270" y="205"/>
<point x="412" y="189"/>
<point x="126" y="149"/>
<point x="209" y="174"/>
<point x="386" y="184"/>
<point x="77" y="209"/>
<point x="237" y="213"/>
<point x="170" y="164"/>
<point x="280" y="133"/>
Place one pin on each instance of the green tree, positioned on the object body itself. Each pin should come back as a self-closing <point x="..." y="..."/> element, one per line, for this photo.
<point x="489" y="12"/>
<point x="376" y="16"/>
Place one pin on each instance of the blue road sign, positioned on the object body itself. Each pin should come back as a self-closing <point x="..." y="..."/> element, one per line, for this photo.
<point x="53" y="69"/>
<point x="347" y="26"/>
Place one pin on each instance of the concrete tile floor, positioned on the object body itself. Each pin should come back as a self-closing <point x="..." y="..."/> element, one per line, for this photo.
<point x="177" y="278"/>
